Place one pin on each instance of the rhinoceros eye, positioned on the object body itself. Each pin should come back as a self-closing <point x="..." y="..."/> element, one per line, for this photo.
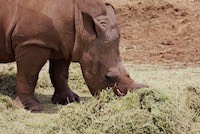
<point x="108" y="78"/>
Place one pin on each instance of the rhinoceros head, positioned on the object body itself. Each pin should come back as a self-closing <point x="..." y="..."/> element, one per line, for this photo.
<point x="98" y="47"/>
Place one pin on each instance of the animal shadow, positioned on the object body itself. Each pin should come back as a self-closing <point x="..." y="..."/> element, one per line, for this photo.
<point x="8" y="85"/>
<point x="8" y="88"/>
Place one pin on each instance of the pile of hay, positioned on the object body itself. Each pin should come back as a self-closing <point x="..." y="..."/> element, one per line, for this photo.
<point x="145" y="111"/>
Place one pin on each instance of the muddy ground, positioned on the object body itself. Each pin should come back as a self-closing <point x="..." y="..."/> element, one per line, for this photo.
<point x="160" y="31"/>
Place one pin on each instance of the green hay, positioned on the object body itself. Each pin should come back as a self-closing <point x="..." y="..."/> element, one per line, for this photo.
<point x="5" y="103"/>
<point x="193" y="101"/>
<point x="146" y="111"/>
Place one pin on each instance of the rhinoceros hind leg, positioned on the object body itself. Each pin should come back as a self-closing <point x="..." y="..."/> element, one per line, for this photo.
<point x="30" y="59"/>
<point x="58" y="70"/>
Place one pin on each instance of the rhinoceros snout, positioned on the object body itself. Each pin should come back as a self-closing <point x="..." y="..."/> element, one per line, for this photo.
<point x="121" y="81"/>
<point x="122" y="90"/>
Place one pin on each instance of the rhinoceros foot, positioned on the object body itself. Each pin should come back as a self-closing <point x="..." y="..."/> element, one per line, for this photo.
<point x="65" y="98"/>
<point x="31" y="104"/>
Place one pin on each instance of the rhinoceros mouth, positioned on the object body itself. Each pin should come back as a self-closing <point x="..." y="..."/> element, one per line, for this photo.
<point x="117" y="91"/>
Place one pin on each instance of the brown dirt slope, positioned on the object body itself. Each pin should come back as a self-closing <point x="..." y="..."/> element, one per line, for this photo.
<point x="165" y="31"/>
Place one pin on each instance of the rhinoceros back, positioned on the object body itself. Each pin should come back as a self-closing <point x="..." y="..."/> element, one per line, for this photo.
<point x="48" y="24"/>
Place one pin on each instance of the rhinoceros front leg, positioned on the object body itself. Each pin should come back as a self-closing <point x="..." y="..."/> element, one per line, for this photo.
<point x="58" y="71"/>
<point x="30" y="60"/>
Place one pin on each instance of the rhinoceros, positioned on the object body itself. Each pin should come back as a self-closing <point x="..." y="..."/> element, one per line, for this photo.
<point x="33" y="32"/>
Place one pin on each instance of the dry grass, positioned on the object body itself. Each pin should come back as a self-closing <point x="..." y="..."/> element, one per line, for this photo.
<point x="170" y="105"/>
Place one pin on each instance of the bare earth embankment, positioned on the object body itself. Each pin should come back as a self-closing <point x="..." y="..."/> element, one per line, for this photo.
<point x="160" y="31"/>
<point x="160" y="46"/>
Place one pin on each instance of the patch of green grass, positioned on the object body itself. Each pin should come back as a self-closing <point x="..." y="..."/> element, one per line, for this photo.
<point x="170" y="105"/>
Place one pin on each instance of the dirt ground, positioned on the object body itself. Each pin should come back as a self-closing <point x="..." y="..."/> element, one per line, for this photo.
<point x="159" y="31"/>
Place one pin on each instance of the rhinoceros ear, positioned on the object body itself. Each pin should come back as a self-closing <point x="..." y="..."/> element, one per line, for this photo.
<point x="109" y="5"/>
<point x="101" y="28"/>
<point x="88" y="23"/>
<point x="97" y="26"/>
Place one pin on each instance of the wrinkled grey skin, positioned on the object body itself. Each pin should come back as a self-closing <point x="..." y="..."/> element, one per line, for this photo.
<point x="84" y="31"/>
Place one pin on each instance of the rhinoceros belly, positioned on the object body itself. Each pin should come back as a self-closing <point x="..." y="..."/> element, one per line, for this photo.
<point x="5" y="57"/>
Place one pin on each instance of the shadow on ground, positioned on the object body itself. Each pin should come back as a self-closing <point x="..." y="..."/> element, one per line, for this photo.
<point x="8" y="88"/>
